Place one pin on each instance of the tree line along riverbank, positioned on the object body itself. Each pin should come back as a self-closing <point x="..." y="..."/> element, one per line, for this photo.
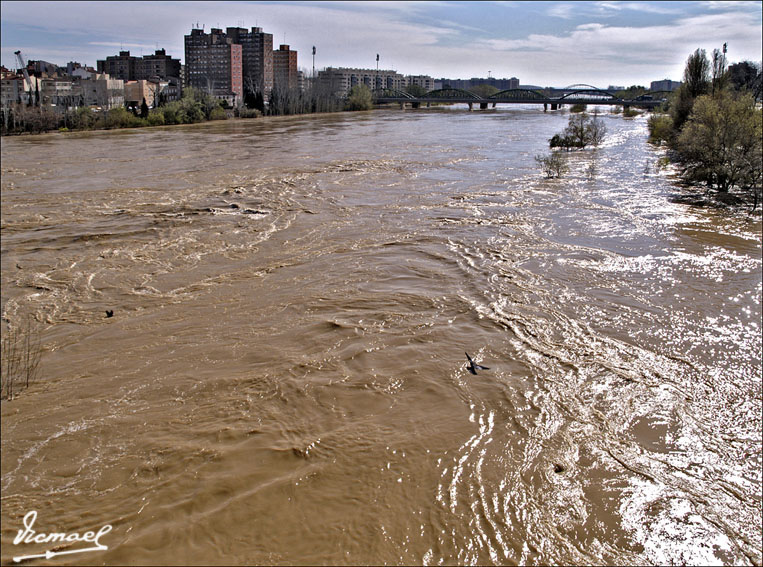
<point x="713" y="129"/>
<point x="194" y="107"/>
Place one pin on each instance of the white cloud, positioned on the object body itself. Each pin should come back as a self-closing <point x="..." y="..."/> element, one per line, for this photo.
<point x="661" y="48"/>
<point x="648" y="7"/>
<point x="564" y="11"/>
<point x="352" y="33"/>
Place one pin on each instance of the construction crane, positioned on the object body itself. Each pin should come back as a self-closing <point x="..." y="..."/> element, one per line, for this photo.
<point x="27" y="80"/>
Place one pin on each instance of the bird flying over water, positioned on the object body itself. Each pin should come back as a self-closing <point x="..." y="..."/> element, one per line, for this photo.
<point x="473" y="367"/>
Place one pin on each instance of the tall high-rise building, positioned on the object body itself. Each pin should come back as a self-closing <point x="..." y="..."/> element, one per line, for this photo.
<point x="214" y="63"/>
<point x="285" y="68"/>
<point x="257" y="54"/>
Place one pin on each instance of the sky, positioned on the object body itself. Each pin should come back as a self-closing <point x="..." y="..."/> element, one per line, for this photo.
<point x="542" y="43"/>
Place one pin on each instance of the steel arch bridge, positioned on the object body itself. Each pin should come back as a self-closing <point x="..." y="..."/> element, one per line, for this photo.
<point x="592" y="93"/>
<point x="556" y="98"/>
<point x="391" y="93"/>
<point x="580" y="86"/>
<point x="451" y="94"/>
<point x="518" y="94"/>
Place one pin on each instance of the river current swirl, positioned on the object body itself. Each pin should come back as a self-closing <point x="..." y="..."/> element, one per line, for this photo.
<point x="284" y="377"/>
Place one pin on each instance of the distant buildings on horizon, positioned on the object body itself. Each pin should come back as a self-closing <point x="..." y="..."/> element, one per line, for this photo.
<point x="664" y="85"/>
<point x="226" y="64"/>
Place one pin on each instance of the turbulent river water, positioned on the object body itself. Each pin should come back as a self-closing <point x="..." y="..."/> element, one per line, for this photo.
<point x="284" y="376"/>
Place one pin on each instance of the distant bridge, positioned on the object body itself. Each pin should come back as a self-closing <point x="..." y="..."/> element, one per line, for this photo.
<point x="555" y="98"/>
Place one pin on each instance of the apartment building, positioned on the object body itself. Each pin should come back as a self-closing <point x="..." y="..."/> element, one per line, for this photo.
<point x="466" y="84"/>
<point x="61" y="93"/>
<point x="12" y="89"/>
<point x="257" y="57"/>
<point x="103" y="91"/>
<point x="214" y="63"/>
<point x="664" y="85"/>
<point x="285" y="74"/>
<point x="341" y="79"/>
<point x="137" y="91"/>
<point x="130" y="68"/>
<point x="159" y="65"/>
<point x="423" y="81"/>
<point x="120" y="66"/>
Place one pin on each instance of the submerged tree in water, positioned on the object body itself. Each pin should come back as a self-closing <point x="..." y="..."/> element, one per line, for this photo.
<point x="720" y="144"/>
<point x="553" y="165"/>
<point x="582" y="130"/>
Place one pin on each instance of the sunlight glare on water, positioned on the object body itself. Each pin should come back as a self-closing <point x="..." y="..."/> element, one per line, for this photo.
<point x="283" y="380"/>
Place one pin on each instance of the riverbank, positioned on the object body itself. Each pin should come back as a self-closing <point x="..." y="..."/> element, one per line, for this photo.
<point x="735" y="202"/>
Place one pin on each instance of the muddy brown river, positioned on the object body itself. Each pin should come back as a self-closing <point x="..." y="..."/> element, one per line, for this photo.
<point x="284" y="377"/>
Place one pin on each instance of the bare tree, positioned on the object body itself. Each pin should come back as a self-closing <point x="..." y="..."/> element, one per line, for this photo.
<point x="720" y="78"/>
<point x="20" y="354"/>
<point x="553" y="165"/>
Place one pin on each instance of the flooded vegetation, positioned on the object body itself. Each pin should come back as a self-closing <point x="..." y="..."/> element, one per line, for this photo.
<point x="282" y="378"/>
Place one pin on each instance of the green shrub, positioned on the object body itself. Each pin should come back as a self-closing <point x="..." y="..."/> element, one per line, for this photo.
<point x="244" y="112"/>
<point x="360" y="98"/>
<point x="218" y="113"/>
<point x="170" y="113"/>
<point x="84" y="118"/>
<point x="660" y="129"/>
<point x="156" y="118"/>
<point x="122" y="118"/>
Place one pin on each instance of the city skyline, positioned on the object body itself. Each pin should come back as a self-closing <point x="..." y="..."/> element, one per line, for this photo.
<point x="543" y="43"/>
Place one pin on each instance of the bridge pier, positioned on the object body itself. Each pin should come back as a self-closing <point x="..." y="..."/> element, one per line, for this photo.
<point x="483" y="106"/>
<point x="402" y="106"/>
<point x="494" y="104"/>
<point x="415" y="105"/>
<point x="554" y="106"/>
<point x="545" y="107"/>
<point x="471" y="106"/>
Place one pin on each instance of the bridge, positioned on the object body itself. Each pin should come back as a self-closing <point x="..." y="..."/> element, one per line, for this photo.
<point x="555" y="98"/>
